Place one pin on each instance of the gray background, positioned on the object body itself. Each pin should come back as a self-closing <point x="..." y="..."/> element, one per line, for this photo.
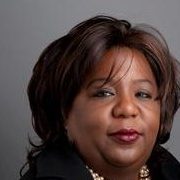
<point x="27" y="26"/>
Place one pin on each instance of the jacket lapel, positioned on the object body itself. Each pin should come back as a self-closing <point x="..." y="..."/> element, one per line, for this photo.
<point x="61" y="163"/>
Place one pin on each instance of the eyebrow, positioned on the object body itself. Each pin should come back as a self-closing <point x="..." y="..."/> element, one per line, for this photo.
<point x="143" y="81"/>
<point x="98" y="80"/>
<point x="104" y="81"/>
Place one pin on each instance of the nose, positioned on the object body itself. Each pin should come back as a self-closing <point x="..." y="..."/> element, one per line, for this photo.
<point x="125" y="107"/>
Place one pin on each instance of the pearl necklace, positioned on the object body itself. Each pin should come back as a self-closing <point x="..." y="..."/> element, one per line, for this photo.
<point x="143" y="174"/>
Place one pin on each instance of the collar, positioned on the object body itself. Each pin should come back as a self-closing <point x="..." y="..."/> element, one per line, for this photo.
<point x="61" y="162"/>
<point x="164" y="165"/>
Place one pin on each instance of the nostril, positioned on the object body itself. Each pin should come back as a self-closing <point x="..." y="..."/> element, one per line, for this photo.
<point x="125" y="110"/>
<point x="134" y="115"/>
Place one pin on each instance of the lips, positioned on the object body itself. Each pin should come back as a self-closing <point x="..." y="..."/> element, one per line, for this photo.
<point x="126" y="136"/>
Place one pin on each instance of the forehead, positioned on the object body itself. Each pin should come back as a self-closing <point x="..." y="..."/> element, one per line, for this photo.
<point x="119" y="62"/>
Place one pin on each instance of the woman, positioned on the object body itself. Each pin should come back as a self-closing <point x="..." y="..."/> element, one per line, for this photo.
<point x="103" y="98"/>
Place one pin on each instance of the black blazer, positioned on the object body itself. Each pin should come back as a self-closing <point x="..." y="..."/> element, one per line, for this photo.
<point x="56" y="163"/>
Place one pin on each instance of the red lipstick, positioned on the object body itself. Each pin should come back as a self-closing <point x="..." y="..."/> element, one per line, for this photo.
<point x="126" y="136"/>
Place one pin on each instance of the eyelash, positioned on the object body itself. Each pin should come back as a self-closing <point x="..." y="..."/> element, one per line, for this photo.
<point x="103" y="93"/>
<point x="143" y="95"/>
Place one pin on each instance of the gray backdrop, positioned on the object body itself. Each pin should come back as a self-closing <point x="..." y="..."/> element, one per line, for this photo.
<point x="27" y="26"/>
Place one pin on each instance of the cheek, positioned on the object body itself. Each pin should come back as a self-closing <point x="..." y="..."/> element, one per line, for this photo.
<point x="93" y="119"/>
<point x="153" y="121"/>
<point x="87" y="121"/>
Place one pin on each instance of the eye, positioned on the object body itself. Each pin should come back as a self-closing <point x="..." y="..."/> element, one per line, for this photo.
<point x="143" y="95"/>
<point x="103" y="93"/>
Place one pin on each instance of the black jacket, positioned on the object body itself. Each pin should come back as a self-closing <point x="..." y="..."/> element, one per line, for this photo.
<point x="56" y="163"/>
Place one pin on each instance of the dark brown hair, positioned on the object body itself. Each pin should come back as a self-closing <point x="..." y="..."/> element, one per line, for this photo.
<point x="62" y="68"/>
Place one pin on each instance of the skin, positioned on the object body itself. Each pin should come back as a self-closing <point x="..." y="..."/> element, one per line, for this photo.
<point x="127" y="101"/>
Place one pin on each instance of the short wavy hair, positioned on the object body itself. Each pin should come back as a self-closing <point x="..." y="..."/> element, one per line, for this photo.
<point x="64" y="65"/>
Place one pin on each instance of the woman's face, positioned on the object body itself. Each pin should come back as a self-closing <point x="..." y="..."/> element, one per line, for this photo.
<point x="116" y="123"/>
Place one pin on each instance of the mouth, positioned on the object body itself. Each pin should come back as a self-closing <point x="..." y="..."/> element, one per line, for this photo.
<point x="126" y="136"/>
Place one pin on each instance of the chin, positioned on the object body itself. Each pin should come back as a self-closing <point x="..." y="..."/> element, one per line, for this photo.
<point x="127" y="158"/>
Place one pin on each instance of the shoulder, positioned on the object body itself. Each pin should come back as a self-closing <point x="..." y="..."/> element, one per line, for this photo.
<point x="164" y="165"/>
<point x="55" y="163"/>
